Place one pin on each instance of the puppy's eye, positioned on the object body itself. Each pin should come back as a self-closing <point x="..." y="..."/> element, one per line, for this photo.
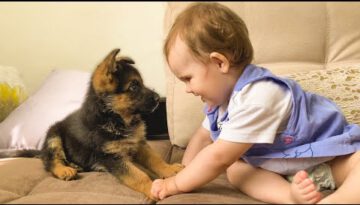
<point x="134" y="86"/>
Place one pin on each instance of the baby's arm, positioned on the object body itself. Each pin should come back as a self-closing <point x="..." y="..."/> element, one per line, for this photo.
<point x="207" y="165"/>
<point x="198" y="141"/>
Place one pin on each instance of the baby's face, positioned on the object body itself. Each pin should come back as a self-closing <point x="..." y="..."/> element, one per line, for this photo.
<point x="200" y="79"/>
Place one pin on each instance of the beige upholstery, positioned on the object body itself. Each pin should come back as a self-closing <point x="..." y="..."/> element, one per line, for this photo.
<point x="24" y="180"/>
<point x="287" y="37"/>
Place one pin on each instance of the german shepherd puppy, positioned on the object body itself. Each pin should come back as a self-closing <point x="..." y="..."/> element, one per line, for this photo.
<point x="107" y="132"/>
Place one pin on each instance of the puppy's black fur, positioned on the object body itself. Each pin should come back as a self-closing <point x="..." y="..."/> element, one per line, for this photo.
<point x="107" y="132"/>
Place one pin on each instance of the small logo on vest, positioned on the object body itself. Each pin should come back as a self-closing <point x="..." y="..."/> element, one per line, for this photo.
<point x="219" y="125"/>
<point x="288" y="139"/>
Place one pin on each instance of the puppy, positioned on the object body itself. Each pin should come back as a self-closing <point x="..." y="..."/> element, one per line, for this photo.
<point x="107" y="133"/>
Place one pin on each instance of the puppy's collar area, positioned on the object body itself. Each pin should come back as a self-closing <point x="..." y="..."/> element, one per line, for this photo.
<point x="115" y="129"/>
<point x="120" y="129"/>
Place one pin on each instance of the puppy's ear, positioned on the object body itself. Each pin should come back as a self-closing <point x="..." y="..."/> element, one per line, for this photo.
<point x="109" y="63"/>
<point x="102" y="79"/>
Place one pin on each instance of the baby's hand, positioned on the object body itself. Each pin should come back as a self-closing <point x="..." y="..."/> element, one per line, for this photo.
<point x="162" y="188"/>
<point x="158" y="189"/>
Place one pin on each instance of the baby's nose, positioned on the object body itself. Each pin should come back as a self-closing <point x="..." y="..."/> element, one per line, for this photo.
<point x="188" y="89"/>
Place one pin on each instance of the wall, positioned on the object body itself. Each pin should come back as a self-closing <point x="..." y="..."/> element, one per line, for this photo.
<point x="36" y="37"/>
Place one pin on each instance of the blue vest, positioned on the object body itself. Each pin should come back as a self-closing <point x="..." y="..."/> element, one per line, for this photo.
<point x="316" y="127"/>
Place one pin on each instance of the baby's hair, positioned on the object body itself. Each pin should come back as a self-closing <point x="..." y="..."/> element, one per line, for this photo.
<point x="211" y="27"/>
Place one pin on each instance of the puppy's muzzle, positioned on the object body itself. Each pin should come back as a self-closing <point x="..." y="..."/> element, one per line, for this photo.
<point x="153" y="102"/>
<point x="150" y="102"/>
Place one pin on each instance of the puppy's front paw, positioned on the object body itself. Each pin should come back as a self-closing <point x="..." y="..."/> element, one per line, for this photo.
<point x="64" y="172"/>
<point x="177" y="167"/>
<point x="171" y="170"/>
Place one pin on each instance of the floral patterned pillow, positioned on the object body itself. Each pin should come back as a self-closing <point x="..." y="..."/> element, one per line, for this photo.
<point x="12" y="90"/>
<point x="342" y="85"/>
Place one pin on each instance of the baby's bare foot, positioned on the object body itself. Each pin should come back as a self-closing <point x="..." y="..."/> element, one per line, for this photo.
<point x="303" y="190"/>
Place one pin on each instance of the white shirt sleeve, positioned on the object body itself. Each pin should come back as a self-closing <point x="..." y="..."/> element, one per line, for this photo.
<point x="206" y="123"/>
<point x="257" y="113"/>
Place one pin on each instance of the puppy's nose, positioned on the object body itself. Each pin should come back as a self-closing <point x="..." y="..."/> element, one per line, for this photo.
<point x="156" y="98"/>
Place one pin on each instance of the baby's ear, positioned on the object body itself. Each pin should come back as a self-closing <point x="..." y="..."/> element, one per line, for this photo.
<point x="221" y="61"/>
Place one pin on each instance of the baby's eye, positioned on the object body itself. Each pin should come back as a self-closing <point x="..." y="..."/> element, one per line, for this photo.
<point x="185" y="79"/>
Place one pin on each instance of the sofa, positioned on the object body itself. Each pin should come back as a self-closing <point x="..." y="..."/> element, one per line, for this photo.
<point x="314" y="43"/>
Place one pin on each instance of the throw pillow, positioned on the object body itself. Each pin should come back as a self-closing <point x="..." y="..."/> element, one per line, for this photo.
<point x="62" y="92"/>
<point x="341" y="85"/>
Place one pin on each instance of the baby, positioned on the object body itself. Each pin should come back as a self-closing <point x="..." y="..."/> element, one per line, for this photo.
<point x="258" y="128"/>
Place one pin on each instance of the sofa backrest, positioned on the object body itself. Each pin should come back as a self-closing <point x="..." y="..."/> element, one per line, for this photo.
<point x="287" y="38"/>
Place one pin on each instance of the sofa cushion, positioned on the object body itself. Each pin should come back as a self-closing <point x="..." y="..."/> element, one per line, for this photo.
<point x="27" y="182"/>
<point x="24" y="180"/>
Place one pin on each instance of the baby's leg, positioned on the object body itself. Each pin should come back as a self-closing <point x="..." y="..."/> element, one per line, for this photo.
<point x="346" y="173"/>
<point x="260" y="184"/>
<point x="303" y="189"/>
